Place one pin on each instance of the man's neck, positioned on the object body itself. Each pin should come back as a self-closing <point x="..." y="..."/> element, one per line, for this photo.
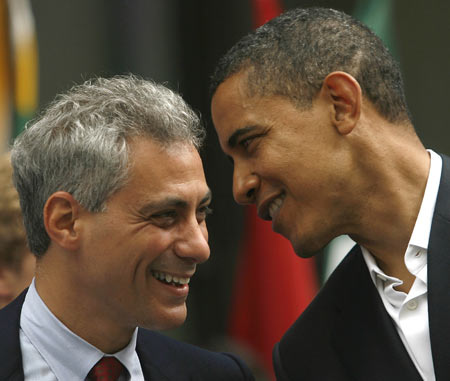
<point x="79" y="313"/>
<point x="395" y="185"/>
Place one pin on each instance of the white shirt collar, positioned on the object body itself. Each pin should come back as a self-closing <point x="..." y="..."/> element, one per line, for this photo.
<point x="421" y="233"/>
<point x="409" y="312"/>
<point x="68" y="355"/>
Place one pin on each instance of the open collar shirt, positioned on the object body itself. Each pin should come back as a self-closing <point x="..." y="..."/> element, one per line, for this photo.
<point x="410" y="311"/>
<point x="51" y="352"/>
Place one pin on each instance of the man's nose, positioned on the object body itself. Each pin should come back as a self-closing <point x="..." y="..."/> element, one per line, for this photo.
<point x="245" y="185"/>
<point x="193" y="244"/>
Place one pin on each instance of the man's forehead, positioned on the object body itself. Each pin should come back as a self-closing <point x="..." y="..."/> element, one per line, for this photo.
<point x="228" y="101"/>
<point x="237" y="82"/>
<point x="234" y="110"/>
<point x="154" y="154"/>
<point x="157" y="169"/>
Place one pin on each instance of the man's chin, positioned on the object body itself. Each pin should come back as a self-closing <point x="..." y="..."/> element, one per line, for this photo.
<point x="304" y="254"/>
<point x="306" y="249"/>
<point x="167" y="321"/>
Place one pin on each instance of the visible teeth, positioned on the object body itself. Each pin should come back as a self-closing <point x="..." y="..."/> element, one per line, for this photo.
<point x="275" y="205"/>
<point x="167" y="278"/>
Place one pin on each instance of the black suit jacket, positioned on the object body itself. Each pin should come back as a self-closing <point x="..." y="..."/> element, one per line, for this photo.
<point x="346" y="333"/>
<point x="161" y="358"/>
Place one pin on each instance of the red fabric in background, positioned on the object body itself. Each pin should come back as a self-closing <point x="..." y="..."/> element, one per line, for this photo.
<point x="264" y="10"/>
<point x="272" y="288"/>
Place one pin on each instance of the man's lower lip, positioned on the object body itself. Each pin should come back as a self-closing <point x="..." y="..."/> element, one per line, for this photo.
<point x="182" y="290"/>
<point x="274" y="218"/>
<point x="276" y="226"/>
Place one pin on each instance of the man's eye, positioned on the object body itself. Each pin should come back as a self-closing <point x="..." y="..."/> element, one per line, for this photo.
<point x="203" y="212"/>
<point x="168" y="214"/>
<point x="164" y="218"/>
<point x="246" y="142"/>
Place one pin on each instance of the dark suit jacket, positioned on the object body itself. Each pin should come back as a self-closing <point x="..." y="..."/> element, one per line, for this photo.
<point x="346" y="333"/>
<point x="162" y="358"/>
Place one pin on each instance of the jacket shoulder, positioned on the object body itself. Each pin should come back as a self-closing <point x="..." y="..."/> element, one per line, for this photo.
<point x="10" y="353"/>
<point x="182" y="361"/>
<point x="305" y="350"/>
<point x="318" y="316"/>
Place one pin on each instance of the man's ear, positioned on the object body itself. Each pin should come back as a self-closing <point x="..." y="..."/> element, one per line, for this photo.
<point x="344" y="92"/>
<point x="61" y="212"/>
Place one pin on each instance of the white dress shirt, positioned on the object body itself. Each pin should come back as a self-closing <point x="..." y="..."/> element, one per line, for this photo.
<point x="410" y="311"/>
<point x="51" y="352"/>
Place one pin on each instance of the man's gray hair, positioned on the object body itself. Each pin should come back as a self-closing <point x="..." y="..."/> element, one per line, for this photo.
<point x="80" y="144"/>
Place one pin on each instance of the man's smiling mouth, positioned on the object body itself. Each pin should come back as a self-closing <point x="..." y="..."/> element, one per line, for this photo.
<point x="275" y="205"/>
<point x="269" y="211"/>
<point x="170" y="279"/>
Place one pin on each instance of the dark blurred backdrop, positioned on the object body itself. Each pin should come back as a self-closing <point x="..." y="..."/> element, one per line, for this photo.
<point x="178" y="42"/>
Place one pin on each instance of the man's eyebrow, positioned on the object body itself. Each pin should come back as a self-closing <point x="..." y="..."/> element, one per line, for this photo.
<point x="232" y="140"/>
<point x="168" y="202"/>
<point x="171" y="202"/>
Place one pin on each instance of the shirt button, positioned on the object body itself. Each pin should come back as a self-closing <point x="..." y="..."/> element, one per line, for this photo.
<point x="412" y="305"/>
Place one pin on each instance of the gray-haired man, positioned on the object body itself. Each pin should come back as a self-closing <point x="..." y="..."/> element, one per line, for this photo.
<point x="114" y="202"/>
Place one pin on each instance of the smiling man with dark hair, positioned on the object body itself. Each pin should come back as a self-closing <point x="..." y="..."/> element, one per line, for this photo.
<point x="311" y="110"/>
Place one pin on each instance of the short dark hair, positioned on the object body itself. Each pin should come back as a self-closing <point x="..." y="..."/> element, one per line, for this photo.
<point x="292" y="54"/>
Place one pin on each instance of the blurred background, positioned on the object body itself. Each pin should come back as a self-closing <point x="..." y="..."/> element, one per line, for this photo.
<point x="253" y="287"/>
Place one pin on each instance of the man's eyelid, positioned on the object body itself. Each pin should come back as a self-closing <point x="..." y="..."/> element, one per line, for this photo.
<point x="245" y="141"/>
<point x="164" y="213"/>
<point x="203" y="212"/>
<point x="204" y="205"/>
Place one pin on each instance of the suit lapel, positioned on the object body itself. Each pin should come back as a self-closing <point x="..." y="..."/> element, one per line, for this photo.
<point x="10" y="353"/>
<point x="148" y="357"/>
<point x="439" y="277"/>
<point x="11" y="357"/>
<point x="364" y="336"/>
<point x="150" y="371"/>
